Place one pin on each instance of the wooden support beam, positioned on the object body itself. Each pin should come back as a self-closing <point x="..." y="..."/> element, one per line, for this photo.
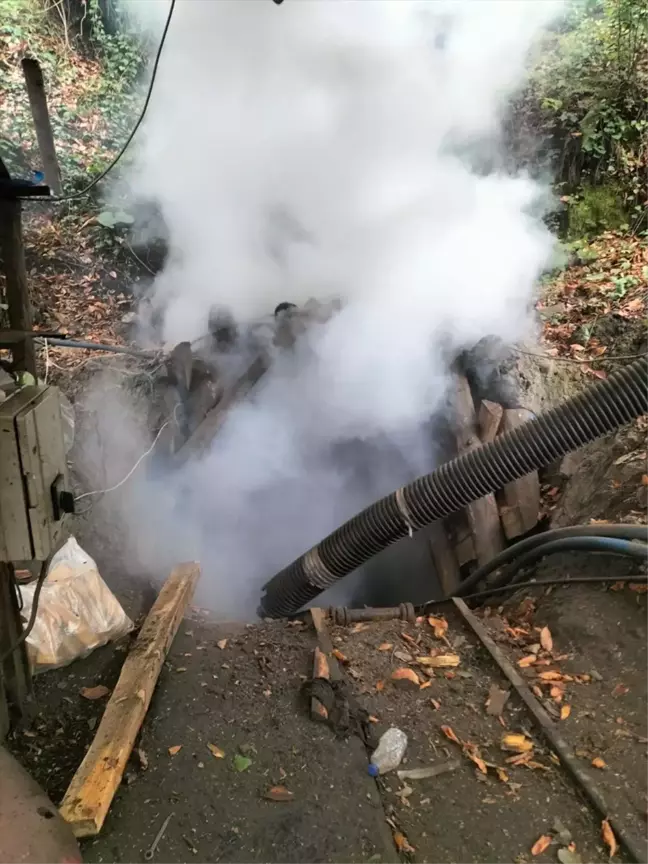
<point x="40" y="114"/>
<point x="444" y="558"/>
<point x="92" y="788"/>
<point x="482" y="514"/>
<point x="519" y="512"/>
<point x="13" y="259"/>
<point x="490" y="418"/>
<point x="15" y="677"/>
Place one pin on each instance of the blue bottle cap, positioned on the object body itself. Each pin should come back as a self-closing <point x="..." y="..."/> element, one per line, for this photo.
<point x="373" y="770"/>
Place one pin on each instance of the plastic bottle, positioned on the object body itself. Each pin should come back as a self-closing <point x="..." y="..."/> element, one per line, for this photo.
<point x="389" y="753"/>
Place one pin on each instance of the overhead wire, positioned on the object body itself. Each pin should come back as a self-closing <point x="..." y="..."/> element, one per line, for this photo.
<point x="83" y="192"/>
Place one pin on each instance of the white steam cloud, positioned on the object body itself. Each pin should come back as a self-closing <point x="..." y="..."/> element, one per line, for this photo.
<point x="362" y="124"/>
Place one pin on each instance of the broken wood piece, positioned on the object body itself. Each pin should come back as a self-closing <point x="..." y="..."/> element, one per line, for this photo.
<point x="519" y="513"/>
<point x="320" y="670"/>
<point x="90" y="793"/>
<point x="483" y="514"/>
<point x="35" y="84"/>
<point x="490" y="418"/>
<point x="204" y="434"/>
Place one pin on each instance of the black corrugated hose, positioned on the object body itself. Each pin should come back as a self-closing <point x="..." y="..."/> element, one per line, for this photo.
<point x="579" y="420"/>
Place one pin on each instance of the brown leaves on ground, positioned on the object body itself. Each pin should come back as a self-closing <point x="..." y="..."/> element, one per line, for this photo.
<point x="608" y="838"/>
<point x="340" y="657"/>
<point x="222" y="644"/>
<point x="469" y="749"/>
<point x="545" y="640"/>
<point x="439" y="626"/>
<point x="597" y="762"/>
<point x="385" y="646"/>
<point x="173" y="751"/>
<point x="402" y="843"/>
<point x="97" y="692"/>
<point x="541" y="844"/>
<point x="405" y="678"/>
<point x="216" y="752"/>
<point x="515" y="742"/>
<point x="620" y="690"/>
<point x="279" y="794"/>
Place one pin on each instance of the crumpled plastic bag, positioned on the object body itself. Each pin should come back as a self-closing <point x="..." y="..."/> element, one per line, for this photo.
<point x="77" y="612"/>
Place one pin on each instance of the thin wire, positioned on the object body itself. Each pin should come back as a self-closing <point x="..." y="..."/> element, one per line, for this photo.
<point x="132" y="470"/>
<point x="538" y="583"/>
<point x="602" y="358"/>
<point x="32" y="618"/>
<point x="104" y="173"/>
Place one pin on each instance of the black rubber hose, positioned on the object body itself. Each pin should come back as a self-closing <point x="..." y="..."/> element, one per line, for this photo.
<point x="583" y="418"/>
<point x="607" y="545"/>
<point x="624" y="532"/>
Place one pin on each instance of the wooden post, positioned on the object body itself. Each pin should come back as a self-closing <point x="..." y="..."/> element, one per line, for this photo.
<point x="444" y="558"/>
<point x="40" y="114"/>
<point x="15" y="680"/>
<point x="482" y="514"/>
<point x="521" y="497"/>
<point x="13" y="257"/>
<point x="92" y="788"/>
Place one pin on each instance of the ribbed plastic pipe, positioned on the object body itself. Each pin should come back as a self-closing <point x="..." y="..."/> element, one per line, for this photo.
<point x="596" y="411"/>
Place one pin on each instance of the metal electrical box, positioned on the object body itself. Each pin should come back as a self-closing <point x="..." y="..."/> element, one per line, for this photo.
<point x="34" y="483"/>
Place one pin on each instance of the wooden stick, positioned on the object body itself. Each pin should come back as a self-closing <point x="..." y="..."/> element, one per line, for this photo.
<point x="93" y="787"/>
<point x="482" y="514"/>
<point x="38" y="103"/>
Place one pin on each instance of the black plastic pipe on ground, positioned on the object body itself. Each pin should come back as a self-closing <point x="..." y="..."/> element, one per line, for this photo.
<point x="596" y="411"/>
<point x="522" y="547"/>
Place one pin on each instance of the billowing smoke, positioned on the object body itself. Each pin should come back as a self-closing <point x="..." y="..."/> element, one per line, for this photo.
<point x="332" y="148"/>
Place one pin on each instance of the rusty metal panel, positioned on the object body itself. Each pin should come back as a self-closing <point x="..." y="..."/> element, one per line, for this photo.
<point x="15" y="535"/>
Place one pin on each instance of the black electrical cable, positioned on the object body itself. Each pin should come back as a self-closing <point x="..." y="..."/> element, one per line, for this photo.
<point x="539" y="583"/>
<point x="32" y="617"/>
<point x="625" y="532"/>
<point x="105" y="172"/>
<point x="603" y="545"/>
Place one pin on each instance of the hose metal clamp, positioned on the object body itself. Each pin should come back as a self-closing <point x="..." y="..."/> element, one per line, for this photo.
<point x="315" y="570"/>
<point x="401" y="503"/>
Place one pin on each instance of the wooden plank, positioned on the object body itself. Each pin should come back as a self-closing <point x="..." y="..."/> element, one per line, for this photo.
<point x="490" y="418"/>
<point x="444" y="558"/>
<point x="12" y="253"/>
<point x="38" y="104"/>
<point x="92" y="788"/>
<point x="519" y="512"/>
<point x="15" y="672"/>
<point x="483" y="514"/>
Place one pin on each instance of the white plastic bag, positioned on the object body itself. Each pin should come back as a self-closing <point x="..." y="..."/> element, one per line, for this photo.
<point x="77" y="612"/>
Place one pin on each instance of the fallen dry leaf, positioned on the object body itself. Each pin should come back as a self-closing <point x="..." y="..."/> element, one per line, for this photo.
<point x="472" y="752"/>
<point x="608" y="837"/>
<point x="405" y="677"/>
<point x="435" y="704"/>
<point x="385" y="646"/>
<point x="537" y="691"/>
<point x="97" y="692"/>
<point x="545" y="639"/>
<point x="619" y="690"/>
<point x="440" y="661"/>
<point x="449" y="733"/>
<point x="439" y="626"/>
<point x="565" y="711"/>
<point x="359" y="627"/>
<point x="557" y="692"/>
<point x="380" y="685"/>
<point x="216" y="751"/>
<point x="401" y="842"/>
<point x="520" y="758"/>
<point x="529" y="660"/>
<point x="542" y="843"/>
<point x="551" y="676"/>
<point x="518" y="743"/>
<point x="340" y="656"/>
<point x="639" y="587"/>
<point x="222" y="643"/>
<point x="502" y="775"/>
<point x="278" y="793"/>
<point x="597" y="762"/>
<point x="425" y="685"/>
<point x="175" y="749"/>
